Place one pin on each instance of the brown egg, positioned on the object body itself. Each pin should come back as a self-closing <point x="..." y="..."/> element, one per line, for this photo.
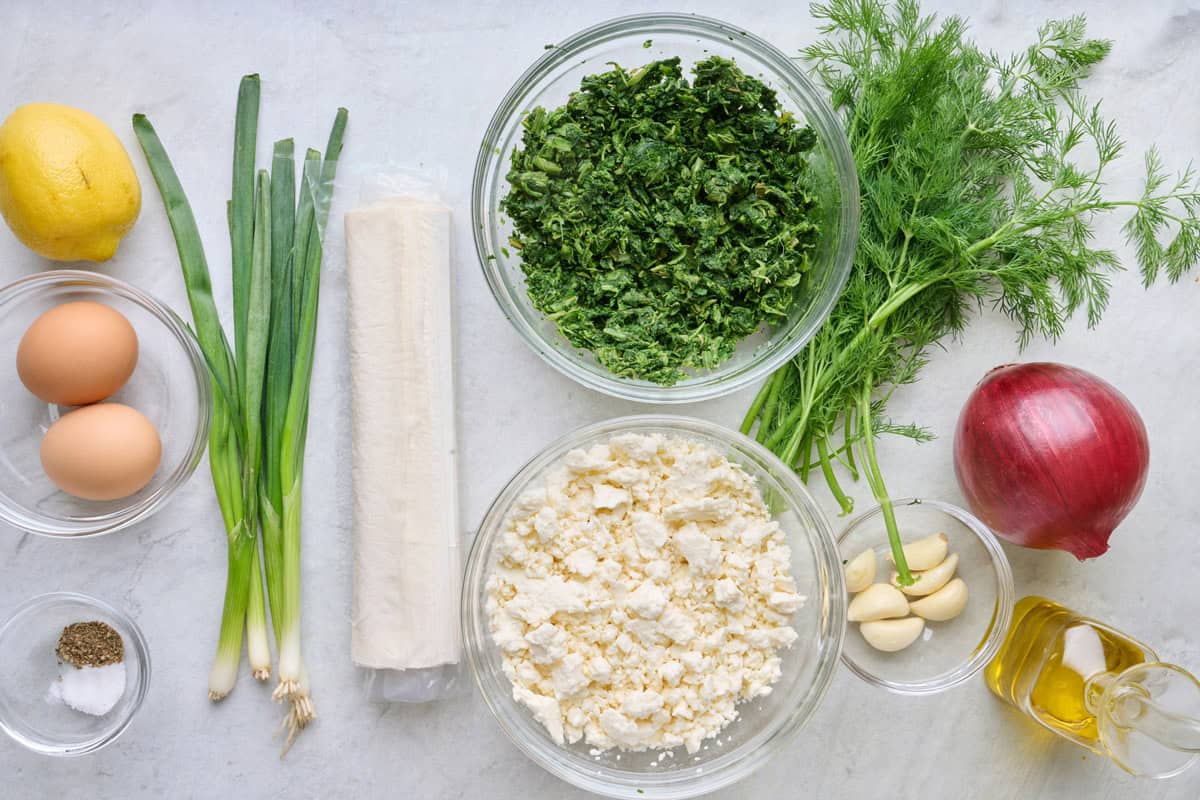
<point x="77" y="353"/>
<point x="101" y="452"/>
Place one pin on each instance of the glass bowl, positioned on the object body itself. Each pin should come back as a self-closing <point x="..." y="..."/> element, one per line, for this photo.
<point x="29" y="666"/>
<point x="552" y="79"/>
<point x="764" y="725"/>
<point x="947" y="653"/>
<point x="170" y="386"/>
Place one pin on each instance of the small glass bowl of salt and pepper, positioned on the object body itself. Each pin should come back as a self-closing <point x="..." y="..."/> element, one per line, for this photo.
<point x="75" y="670"/>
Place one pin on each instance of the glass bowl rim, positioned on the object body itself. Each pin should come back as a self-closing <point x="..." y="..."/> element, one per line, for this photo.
<point x="1002" y="618"/>
<point x="123" y="518"/>
<point x="49" y="599"/>
<point x="829" y="131"/>
<point x="832" y="611"/>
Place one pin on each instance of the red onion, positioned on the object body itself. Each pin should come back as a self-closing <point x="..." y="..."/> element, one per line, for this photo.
<point x="1050" y="456"/>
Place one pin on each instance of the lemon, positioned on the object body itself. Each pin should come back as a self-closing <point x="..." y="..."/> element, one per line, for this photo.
<point x="67" y="187"/>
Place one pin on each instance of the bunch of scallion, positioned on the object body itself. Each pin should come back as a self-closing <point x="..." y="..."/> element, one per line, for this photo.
<point x="260" y="384"/>
<point x="982" y="182"/>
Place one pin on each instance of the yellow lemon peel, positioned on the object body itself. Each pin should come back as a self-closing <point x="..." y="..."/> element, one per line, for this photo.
<point x="68" y="189"/>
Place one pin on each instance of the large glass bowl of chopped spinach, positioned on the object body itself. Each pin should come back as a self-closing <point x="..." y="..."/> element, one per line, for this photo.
<point x="665" y="207"/>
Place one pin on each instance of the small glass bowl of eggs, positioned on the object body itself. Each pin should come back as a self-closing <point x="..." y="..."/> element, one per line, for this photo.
<point x="104" y="404"/>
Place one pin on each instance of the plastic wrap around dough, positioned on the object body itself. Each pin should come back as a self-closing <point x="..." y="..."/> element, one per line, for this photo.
<point x="406" y="555"/>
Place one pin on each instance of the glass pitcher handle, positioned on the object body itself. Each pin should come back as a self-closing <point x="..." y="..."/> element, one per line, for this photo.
<point x="1149" y="719"/>
<point x="1132" y="707"/>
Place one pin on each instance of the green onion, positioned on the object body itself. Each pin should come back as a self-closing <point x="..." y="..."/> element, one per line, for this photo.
<point x="302" y="296"/>
<point x="223" y="459"/>
<point x="279" y="365"/>
<point x="261" y="385"/>
<point x="225" y="432"/>
<point x="252" y="368"/>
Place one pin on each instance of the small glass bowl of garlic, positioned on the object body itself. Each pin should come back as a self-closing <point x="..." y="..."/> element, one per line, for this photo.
<point x="943" y="629"/>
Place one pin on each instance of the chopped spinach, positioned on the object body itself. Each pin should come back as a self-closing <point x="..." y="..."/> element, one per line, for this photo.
<point x="659" y="222"/>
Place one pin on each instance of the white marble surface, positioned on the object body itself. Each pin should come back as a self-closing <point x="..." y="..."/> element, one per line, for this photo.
<point x="421" y="80"/>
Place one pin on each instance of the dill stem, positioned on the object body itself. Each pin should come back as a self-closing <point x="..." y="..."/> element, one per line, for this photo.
<point x="847" y="428"/>
<point x="775" y="386"/>
<point x="808" y="383"/>
<point x="1016" y="228"/>
<point x="781" y="406"/>
<point x="806" y="451"/>
<point x="844" y="502"/>
<point x="875" y="480"/>
<point x="767" y="390"/>
<point x="755" y="407"/>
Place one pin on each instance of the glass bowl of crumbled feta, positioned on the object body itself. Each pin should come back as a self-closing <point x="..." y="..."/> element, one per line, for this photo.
<point x="653" y="606"/>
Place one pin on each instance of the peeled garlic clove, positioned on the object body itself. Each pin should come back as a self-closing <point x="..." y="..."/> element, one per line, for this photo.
<point x="860" y="571"/>
<point x="877" y="601"/>
<point x="926" y="553"/>
<point x="930" y="580"/>
<point x="890" y="635"/>
<point x="946" y="603"/>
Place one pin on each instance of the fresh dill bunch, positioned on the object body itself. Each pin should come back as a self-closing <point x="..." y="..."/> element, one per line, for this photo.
<point x="982" y="182"/>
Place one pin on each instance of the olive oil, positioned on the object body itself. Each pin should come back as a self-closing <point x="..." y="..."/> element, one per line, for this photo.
<point x="1038" y="667"/>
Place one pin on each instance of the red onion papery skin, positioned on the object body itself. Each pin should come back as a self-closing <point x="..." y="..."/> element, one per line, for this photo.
<point x="1050" y="456"/>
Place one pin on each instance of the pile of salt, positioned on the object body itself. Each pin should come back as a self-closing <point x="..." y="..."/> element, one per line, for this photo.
<point x="92" y="690"/>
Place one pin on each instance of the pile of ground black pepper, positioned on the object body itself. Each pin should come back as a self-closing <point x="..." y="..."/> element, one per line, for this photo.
<point x="90" y="644"/>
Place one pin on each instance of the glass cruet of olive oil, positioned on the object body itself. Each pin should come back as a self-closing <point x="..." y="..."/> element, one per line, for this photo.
<point x="1099" y="688"/>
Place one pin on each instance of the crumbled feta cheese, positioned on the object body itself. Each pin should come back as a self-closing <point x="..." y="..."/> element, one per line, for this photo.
<point x="601" y="669"/>
<point x="702" y="553"/>
<point x="704" y="509"/>
<point x="638" y="447"/>
<point x="728" y="595"/>
<point x="568" y="678"/>
<point x="640" y="594"/>
<point x="547" y="643"/>
<point x="609" y="498"/>
<point x="545" y="522"/>
<point x="679" y="625"/>
<point x="670" y="672"/>
<point x="650" y="532"/>
<point x="582" y="562"/>
<point x="754" y="534"/>
<point x="545" y="710"/>
<point x="785" y="602"/>
<point x="658" y="570"/>
<point x="621" y="729"/>
<point x="627" y="476"/>
<point x="648" y="600"/>
<point x="583" y="461"/>
<point x="640" y="705"/>
<point x="508" y="633"/>
<point x="530" y="502"/>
